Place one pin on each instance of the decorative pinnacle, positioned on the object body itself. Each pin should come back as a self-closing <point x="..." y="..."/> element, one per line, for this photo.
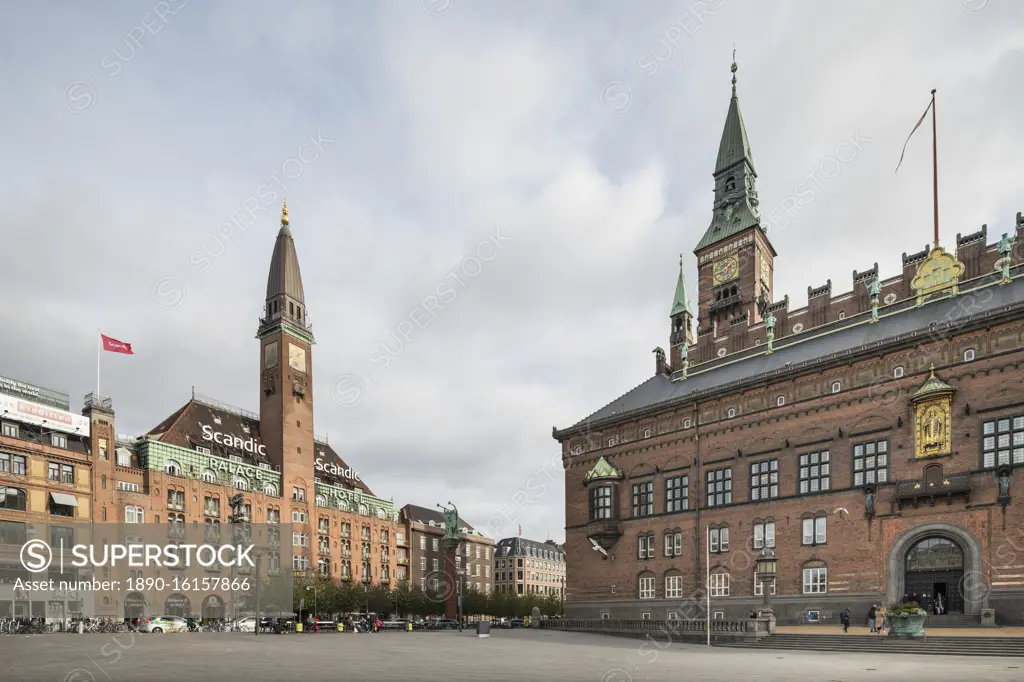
<point x="734" y="69"/>
<point x="284" y="214"/>
<point x="933" y="371"/>
<point x="680" y="262"/>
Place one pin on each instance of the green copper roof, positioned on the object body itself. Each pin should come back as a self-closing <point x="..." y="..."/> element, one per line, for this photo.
<point x="602" y="470"/>
<point x="679" y="304"/>
<point x="734" y="146"/>
<point x="736" y="208"/>
<point x="934" y="386"/>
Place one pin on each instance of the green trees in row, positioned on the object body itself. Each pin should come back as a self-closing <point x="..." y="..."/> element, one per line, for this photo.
<point x="330" y="598"/>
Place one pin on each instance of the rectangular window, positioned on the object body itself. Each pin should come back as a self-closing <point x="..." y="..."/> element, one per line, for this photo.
<point x="433" y="564"/>
<point x="601" y="502"/>
<point x="5" y="463"/>
<point x="434" y="544"/>
<point x="719" y="540"/>
<point x="815" y="580"/>
<point x="673" y="615"/>
<point x="871" y="463"/>
<point x="59" y="440"/>
<point x="673" y="587"/>
<point x="719" y="585"/>
<point x="645" y="547"/>
<point x="10" y="430"/>
<point x="1002" y="442"/>
<point x="53" y="471"/>
<point x="67" y="473"/>
<point x="764" y="533"/>
<point x="719" y="487"/>
<point x="647" y="587"/>
<point x="758" y="586"/>
<point x="19" y="465"/>
<point x="814" y="472"/>
<point x="677" y="494"/>
<point x="643" y="498"/>
<point x="764" y="480"/>
<point x="814" y="531"/>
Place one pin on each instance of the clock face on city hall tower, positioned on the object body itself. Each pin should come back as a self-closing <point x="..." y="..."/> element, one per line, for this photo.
<point x="726" y="270"/>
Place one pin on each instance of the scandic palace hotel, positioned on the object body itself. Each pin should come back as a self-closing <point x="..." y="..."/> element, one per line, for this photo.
<point x="59" y="466"/>
<point x="874" y="439"/>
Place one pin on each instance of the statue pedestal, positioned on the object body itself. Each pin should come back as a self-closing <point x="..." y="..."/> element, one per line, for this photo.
<point x="988" y="618"/>
<point x="451" y="580"/>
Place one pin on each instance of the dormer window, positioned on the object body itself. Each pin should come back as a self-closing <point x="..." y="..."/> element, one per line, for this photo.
<point x="780" y="401"/>
<point x="836" y="387"/>
<point x="731" y="412"/>
<point x="968" y="355"/>
<point x="897" y="373"/>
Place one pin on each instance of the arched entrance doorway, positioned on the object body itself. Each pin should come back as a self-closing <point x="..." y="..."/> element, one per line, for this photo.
<point x="134" y="605"/>
<point x="934" y="568"/>
<point x="177" y="605"/>
<point x="213" y="607"/>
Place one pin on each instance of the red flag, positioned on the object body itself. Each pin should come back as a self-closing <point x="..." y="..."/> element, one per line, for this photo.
<point x="115" y="346"/>
<point x="919" y="122"/>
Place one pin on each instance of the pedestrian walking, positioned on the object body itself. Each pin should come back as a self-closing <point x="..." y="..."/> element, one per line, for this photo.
<point x="881" y="615"/>
<point x="844" y="618"/>
<point x="871" y="616"/>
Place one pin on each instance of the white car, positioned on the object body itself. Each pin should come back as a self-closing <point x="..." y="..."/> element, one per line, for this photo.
<point x="245" y="624"/>
<point x="159" y="624"/>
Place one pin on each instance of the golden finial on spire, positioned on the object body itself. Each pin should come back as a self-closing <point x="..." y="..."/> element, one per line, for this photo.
<point x="284" y="213"/>
<point x="933" y="370"/>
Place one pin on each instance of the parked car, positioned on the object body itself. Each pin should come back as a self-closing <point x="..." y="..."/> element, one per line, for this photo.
<point x="513" y="623"/>
<point x="442" y="624"/>
<point x="159" y="624"/>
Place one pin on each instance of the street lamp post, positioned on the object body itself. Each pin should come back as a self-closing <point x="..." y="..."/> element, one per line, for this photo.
<point x="766" y="568"/>
<point x="313" y="587"/>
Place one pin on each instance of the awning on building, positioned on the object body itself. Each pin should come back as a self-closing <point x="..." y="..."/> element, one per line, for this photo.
<point x="65" y="499"/>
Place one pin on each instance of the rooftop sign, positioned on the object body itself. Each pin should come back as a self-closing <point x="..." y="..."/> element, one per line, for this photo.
<point x="49" y="418"/>
<point x="38" y="394"/>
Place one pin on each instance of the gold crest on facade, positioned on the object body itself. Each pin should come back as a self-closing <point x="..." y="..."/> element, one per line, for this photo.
<point x="932" y="405"/>
<point x="939" y="271"/>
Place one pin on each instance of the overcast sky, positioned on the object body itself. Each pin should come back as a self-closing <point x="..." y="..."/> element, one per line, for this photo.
<point x="535" y="167"/>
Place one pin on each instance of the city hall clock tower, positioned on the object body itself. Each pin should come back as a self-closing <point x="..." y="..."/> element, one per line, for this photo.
<point x="286" y="370"/>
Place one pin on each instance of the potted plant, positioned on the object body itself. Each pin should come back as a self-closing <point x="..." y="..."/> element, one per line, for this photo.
<point x="906" y="621"/>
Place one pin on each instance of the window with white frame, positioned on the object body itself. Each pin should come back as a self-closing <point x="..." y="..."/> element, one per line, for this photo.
<point x="732" y="412"/>
<point x="814" y="531"/>
<point x="208" y="476"/>
<point x="647" y="587"/>
<point x="673" y="615"/>
<point x="759" y="586"/>
<point x="815" y="472"/>
<point x="719" y="585"/>
<point x="897" y="373"/>
<point x="968" y="355"/>
<point x="673" y="586"/>
<point x="673" y="544"/>
<point x="764" y="534"/>
<point x="134" y="514"/>
<point x="764" y="480"/>
<point x="718" y="539"/>
<point x="1002" y="441"/>
<point x="173" y="468"/>
<point x="871" y="462"/>
<point x="686" y="423"/>
<point x="645" y="547"/>
<point x="719" y="487"/>
<point x="836" y="387"/>
<point x="780" y="400"/>
<point x="646" y="615"/>
<point x="815" y="580"/>
<point x="647" y="433"/>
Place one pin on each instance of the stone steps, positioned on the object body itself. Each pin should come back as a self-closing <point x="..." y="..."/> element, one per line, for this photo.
<point x="950" y="646"/>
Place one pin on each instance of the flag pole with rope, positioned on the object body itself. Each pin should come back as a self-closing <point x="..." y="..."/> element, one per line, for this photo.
<point x="99" y="353"/>
<point x="935" y="163"/>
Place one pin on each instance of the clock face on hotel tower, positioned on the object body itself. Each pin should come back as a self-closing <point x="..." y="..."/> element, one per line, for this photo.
<point x="297" y="357"/>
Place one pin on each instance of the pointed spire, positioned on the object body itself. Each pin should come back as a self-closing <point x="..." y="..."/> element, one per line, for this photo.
<point x="285" y="277"/>
<point x="734" y="146"/>
<point x="679" y="303"/>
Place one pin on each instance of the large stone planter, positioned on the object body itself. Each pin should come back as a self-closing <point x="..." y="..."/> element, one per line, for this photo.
<point x="907" y="626"/>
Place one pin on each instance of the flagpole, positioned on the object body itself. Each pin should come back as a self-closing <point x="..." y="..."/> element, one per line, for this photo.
<point x="935" y="170"/>
<point x="707" y="578"/>
<point x="99" y="351"/>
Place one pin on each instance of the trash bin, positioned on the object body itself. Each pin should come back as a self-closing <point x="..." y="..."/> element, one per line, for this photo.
<point x="298" y="627"/>
<point x="408" y="627"/>
<point x="483" y="629"/>
<point x="341" y="627"/>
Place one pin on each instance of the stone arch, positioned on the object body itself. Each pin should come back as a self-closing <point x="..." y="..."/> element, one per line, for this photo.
<point x="973" y="584"/>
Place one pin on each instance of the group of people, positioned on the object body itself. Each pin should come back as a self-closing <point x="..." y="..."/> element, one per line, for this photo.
<point x="878" y="619"/>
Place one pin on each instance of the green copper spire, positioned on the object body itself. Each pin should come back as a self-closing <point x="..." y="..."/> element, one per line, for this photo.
<point x="735" y="208"/>
<point x="734" y="146"/>
<point x="679" y="304"/>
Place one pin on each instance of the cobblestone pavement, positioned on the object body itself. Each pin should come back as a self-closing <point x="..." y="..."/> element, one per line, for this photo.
<point x="506" y="655"/>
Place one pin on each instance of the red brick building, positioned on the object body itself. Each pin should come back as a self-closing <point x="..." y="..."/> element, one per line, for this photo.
<point x="874" y="439"/>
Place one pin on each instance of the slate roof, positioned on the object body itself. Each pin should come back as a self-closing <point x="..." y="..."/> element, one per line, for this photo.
<point x="843" y="337"/>
<point x="522" y="547"/>
<point x="184" y="429"/>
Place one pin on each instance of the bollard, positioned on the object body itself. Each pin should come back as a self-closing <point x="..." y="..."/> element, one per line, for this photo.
<point x="79" y="627"/>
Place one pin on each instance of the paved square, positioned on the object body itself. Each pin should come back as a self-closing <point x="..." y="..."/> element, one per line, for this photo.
<point x="506" y="655"/>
